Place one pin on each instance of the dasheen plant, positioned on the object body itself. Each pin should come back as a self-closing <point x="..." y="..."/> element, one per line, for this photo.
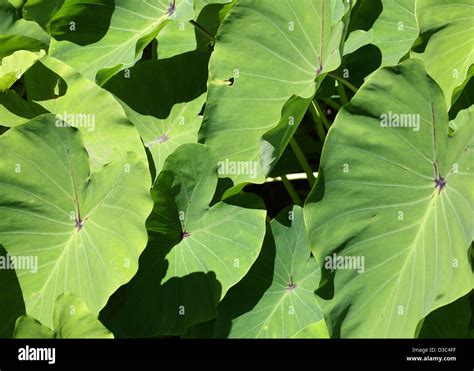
<point x="236" y="169"/>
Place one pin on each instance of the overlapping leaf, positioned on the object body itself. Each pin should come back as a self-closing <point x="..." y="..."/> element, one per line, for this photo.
<point x="393" y="32"/>
<point x="72" y="320"/>
<point x="180" y="37"/>
<point x="446" y="28"/>
<point x="124" y="85"/>
<point x="19" y="34"/>
<point x="195" y="252"/>
<point x="14" y="110"/>
<point x="167" y="113"/>
<point x="453" y="321"/>
<point x="207" y="241"/>
<point x="78" y="232"/>
<point x="399" y="197"/>
<point x="108" y="134"/>
<point x="299" y="40"/>
<point x="15" y="65"/>
<point x="96" y="35"/>
<point x="41" y="11"/>
<point x="162" y="137"/>
<point x="276" y="299"/>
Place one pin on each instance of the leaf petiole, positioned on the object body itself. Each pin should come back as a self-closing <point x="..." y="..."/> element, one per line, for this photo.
<point x="303" y="161"/>
<point x="342" y="93"/>
<point x="321" y="115"/>
<point x="331" y="103"/>
<point x="317" y="122"/>
<point x="291" y="191"/>
<point x="344" y="82"/>
<point x="203" y="30"/>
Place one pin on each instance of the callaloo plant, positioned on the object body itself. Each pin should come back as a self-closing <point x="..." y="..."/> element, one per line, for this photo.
<point x="236" y="169"/>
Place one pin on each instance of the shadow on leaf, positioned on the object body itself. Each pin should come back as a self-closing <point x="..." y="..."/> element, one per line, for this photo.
<point x="147" y="308"/>
<point x="12" y="305"/>
<point x="82" y="23"/>
<point x="252" y="287"/>
<point x="168" y="82"/>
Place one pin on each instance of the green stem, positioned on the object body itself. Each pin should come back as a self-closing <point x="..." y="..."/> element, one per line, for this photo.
<point x="342" y="93"/>
<point x="344" y="81"/>
<point x="303" y="161"/>
<point x="317" y="122"/>
<point x="291" y="191"/>
<point x="334" y="105"/>
<point x="322" y="116"/>
<point x="203" y="30"/>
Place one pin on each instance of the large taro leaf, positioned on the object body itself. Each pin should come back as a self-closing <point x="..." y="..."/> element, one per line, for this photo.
<point x="266" y="52"/>
<point x="108" y="34"/>
<point x="276" y="299"/>
<point x="395" y="206"/>
<point x="446" y="27"/>
<point x="195" y="252"/>
<point x="225" y="239"/>
<point x="393" y="32"/>
<point x="108" y="134"/>
<point x="72" y="320"/>
<point x="78" y="232"/>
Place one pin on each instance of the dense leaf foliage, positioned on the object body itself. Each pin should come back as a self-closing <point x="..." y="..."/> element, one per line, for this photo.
<point x="236" y="168"/>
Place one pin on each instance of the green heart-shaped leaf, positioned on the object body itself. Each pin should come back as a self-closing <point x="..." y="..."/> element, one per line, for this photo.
<point x="300" y="40"/>
<point x="391" y="217"/>
<point x="276" y="299"/>
<point x="73" y="231"/>
<point x="196" y="253"/>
